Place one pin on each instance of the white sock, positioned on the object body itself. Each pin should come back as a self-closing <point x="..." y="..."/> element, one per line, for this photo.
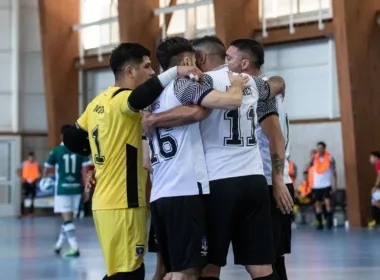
<point x="69" y="229"/>
<point x="61" y="238"/>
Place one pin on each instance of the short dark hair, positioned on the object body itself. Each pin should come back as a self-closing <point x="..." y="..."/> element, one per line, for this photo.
<point x="211" y="42"/>
<point x="64" y="128"/>
<point x="169" y="51"/>
<point x="305" y="172"/>
<point x="321" y="143"/>
<point x="30" y="154"/>
<point x="253" y="48"/>
<point x="375" y="154"/>
<point x="126" y="53"/>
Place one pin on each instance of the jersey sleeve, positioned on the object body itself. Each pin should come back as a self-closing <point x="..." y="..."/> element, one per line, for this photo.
<point x="190" y="92"/>
<point x="86" y="161"/>
<point x="125" y="109"/>
<point x="266" y="108"/>
<point x="82" y="121"/>
<point x="263" y="88"/>
<point x="51" y="161"/>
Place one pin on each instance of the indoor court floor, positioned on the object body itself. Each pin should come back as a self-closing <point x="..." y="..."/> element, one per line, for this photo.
<point x="26" y="253"/>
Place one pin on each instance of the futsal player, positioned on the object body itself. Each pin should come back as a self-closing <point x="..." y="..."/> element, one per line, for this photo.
<point x="227" y="160"/>
<point x="281" y="222"/>
<point x="68" y="191"/>
<point x="180" y="180"/>
<point x="110" y="129"/>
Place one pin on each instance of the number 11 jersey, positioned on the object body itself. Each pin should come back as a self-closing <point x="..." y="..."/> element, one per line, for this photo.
<point x="229" y="136"/>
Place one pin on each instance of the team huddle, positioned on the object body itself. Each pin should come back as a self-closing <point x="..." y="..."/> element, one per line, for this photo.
<point x="215" y="142"/>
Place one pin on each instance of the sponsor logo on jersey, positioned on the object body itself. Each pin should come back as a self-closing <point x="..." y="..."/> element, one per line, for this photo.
<point x="204" y="247"/>
<point x="140" y="250"/>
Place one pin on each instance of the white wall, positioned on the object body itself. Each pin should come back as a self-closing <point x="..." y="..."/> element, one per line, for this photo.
<point x="309" y="69"/>
<point x="32" y="112"/>
<point x="32" y="97"/>
<point x="5" y="66"/>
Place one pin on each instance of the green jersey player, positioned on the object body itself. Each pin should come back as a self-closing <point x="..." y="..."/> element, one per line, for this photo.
<point x="68" y="190"/>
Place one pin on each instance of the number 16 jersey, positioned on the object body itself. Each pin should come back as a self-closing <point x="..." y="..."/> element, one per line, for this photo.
<point x="177" y="157"/>
<point x="229" y="136"/>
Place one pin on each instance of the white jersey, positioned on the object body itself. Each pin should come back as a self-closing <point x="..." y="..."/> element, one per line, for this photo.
<point x="176" y="153"/>
<point x="264" y="142"/>
<point x="229" y="137"/>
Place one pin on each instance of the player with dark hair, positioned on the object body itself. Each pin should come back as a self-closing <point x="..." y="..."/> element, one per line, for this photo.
<point x="110" y="129"/>
<point x="232" y="158"/>
<point x="68" y="190"/>
<point x="248" y="55"/>
<point x="177" y="197"/>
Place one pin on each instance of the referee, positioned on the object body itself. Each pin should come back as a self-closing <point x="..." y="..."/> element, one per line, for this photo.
<point x="110" y="130"/>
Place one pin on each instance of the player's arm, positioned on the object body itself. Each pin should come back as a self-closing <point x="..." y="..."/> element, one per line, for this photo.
<point x="146" y="159"/>
<point x="76" y="137"/>
<point x="181" y="115"/>
<point x="49" y="165"/>
<point x="86" y="163"/>
<point x="270" y="124"/>
<point x="268" y="89"/>
<point x="146" y="93"/>
<point x="190" y="92"/>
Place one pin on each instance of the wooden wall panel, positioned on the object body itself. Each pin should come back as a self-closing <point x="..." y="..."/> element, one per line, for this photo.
<point x="235" y="19"/>
<point x="59" y="51"/>
<point x="357" y="41"/>
<point x="137" y="23"/>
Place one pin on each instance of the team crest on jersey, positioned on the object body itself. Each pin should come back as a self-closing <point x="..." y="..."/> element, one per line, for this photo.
<point x="204" y="247"/>
<point x="140" y="250"/>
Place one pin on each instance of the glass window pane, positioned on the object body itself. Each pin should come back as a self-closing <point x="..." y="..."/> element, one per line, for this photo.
<point x="5" y="159"/>
<point x="312" y="5"/>
<point x="205" y="17"/>
<point x="5" y="194"/>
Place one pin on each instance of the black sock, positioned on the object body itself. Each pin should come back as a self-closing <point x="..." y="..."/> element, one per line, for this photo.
<point x="272" y="276"/>
<point x="329" y="219"/>
<point x="22" y="208"/>
<point x="208" y="278"/>
<point x="280" y="269"/>
<point x="319" y="218"/>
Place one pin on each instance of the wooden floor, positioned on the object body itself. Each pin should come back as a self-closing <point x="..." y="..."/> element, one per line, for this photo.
<point x="26" y="254"/>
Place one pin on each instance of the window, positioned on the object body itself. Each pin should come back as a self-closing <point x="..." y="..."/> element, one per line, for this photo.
<point x="99" y="35"/>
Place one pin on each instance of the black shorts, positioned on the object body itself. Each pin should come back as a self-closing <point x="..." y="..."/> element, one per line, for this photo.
<point x="153" y="246"/>
<point x="29" y="189"/>
<point x="321" y="194"/>
<point x="282" y="225"/>
<point x="238" y="211"/>
<point x="180" y="227"/>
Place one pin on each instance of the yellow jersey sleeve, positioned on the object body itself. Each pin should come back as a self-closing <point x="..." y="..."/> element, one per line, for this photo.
<point x="82" y="121"/>
<point x="124" y="106"/>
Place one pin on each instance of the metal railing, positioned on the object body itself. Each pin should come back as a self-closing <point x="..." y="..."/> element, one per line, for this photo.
<point x="190" y="19"/>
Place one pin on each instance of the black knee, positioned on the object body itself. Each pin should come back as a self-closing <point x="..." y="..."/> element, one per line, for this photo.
<point x="138" y="274"/>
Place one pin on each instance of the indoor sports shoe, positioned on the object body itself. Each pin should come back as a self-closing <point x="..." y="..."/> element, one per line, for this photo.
<point x="372" y="224"/>
<point x="57" y="250"/>
<point x="72" y="253"/>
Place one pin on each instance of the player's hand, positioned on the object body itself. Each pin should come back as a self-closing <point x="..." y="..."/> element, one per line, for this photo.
<point x="86" y="195"/>
<point x="190" y="71"/>
<point x="238" y="80"/>
<point x="283" y="198"/>
<point x="147" y="122"/>
<point x="90" y="180"/>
